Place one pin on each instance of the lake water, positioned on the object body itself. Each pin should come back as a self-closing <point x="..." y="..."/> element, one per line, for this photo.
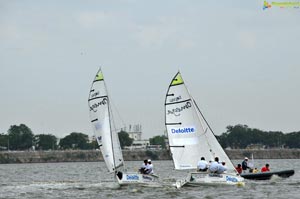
<point x="91" y="180"/>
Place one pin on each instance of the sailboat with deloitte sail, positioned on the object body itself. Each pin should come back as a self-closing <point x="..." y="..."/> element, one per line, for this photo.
<point x="190" y="137"/>
<point x="107" y="137"/>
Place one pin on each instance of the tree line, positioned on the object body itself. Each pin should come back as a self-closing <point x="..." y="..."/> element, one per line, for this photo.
<point x="241" y="136"/>
<point x="21" y="137"/>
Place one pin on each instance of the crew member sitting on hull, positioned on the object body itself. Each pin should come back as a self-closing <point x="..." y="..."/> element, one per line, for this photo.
<point x="149" y="168"/>
<point x="214" y="166"/>
<point x="222" y="168"/>
<point x="144" y="167"/>
<point x="202" y="165"/>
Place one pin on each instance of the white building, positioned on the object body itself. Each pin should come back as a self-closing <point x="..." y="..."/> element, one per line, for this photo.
<point x="135" y="132"/>
<point x="138" y="144"/>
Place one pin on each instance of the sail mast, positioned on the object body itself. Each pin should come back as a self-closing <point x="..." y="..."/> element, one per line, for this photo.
<point x="102" y="123"/>
<point x="168" y="95"/>
<point x="114" y="132"/>
<point x="111" y="137"/>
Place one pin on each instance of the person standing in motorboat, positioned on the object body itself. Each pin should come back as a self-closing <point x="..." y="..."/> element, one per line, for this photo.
<point x="245" y="165"/>
<point x="214" y="166"/>
<point x="149" y="167"/>
<point x="266" y="168"/>
<point x="202" y="165"/>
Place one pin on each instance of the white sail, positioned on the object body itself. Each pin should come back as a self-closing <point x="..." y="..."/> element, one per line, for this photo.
<point x="100" y="116"/>
<point x="190" y="137"/>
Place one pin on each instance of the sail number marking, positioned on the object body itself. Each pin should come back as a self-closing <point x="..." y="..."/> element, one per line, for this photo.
<point x="175" y="99"/>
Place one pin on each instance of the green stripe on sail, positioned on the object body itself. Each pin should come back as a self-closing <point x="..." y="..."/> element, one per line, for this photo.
<point x="99" y="76"/>
<point x="177" y="80"/>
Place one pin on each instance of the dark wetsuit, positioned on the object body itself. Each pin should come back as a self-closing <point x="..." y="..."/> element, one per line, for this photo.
<point x="245" y="165"/>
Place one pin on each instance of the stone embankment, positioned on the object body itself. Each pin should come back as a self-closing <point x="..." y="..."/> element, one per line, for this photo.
<point x="7" y="157"/>
<point x="235" y="154"/>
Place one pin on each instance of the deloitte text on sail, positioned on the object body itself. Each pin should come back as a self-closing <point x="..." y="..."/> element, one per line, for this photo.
<point x="183" y="130"/>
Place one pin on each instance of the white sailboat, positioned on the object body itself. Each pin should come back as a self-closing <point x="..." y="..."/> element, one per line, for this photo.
<point x="107" y="137"/>
<point x="190" y="138"/>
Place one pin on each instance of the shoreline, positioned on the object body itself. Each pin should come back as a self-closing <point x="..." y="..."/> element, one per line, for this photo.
<point x="13" y="157"/>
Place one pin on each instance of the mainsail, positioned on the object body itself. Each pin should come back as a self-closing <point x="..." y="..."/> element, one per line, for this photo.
<point x="190" y="136"/>
<point x="100" y="116"/>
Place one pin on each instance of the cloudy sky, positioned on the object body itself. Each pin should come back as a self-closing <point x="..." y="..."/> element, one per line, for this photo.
<point x="240" y="62"/>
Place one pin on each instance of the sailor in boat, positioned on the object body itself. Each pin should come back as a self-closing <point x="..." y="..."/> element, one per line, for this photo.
<point x="245" y="165"/>
<point x="144" y="167"/>
<point x="265" y="168"/>
<point x="214" y="166"/>
<point x="255" y="170"/>
<point x="149" y="168"/>
<point x="222" y="168"/>
<point x="239" y="168"/>
<point x="202" y="165"/>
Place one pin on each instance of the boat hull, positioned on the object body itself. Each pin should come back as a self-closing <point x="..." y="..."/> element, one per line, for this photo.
<point x="203" y="178"/>
<point x="268" y="175"/>
<point x="128" y="178"/>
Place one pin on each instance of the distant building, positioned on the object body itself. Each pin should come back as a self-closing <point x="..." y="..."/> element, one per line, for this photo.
<point x="138" y="144"/>
<point x="135" y="132"/>
<point x="255" y="146"/>
<point x="135" y="135"/>
<point x="154" y="147"/>
<point x="3" y="148"/>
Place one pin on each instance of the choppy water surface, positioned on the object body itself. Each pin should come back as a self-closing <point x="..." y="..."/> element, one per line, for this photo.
<point x="91" y="180"/>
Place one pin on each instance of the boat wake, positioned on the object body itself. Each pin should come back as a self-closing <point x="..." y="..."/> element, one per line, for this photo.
<point x="63" y="185"/>
<point x="275" y="178"/>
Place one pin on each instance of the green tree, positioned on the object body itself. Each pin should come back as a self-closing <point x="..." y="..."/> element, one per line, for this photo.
<point x="273" y="139"/>
<point x="93" y="145"/>
<point x="3" y="141"/>
<point x="20" y="137"/>
<point x="158" y="140"/>
<point x="125" y="140"/>
<point x="240" y="136"/>
<point x="75" y="141"/>
<point x="45" y="142"/>
<point x="292" y="140"/>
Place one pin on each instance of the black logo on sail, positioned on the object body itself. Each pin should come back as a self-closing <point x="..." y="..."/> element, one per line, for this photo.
<point x="95" y="105"/>
<point x="176" y="111"/>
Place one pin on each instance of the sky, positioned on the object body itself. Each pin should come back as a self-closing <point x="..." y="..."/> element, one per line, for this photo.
<point x="240" y="62"/>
